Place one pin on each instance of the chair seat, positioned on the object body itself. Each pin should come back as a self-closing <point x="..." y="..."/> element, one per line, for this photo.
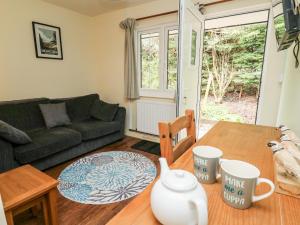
<point x="92" y="129"/>
<point x="46" y="142"/>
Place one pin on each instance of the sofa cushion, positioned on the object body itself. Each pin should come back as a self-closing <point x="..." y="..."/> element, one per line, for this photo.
<point x="92" y="129"/>
<point x="78" y="108"/>
<point x="55" y="114"/>
<point x="104" y="111"/>
<point x="23" y="114"/>
<point x="46" y="142"/>
<point x="13" y="135"/>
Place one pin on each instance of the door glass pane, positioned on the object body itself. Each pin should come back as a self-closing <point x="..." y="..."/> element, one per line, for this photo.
<point x="149" y="60"/>
<point x="193" y="46"/>
<point x="172" y="59"/>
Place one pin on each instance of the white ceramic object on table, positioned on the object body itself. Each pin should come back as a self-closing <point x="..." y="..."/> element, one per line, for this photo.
<point x="177" y="198"/>
<point x="2" y="214"/>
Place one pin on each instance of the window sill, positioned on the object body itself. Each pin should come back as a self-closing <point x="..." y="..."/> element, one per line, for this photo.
<point x="157" y="93"/>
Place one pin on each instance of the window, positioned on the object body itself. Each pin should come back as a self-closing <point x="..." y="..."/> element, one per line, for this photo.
<point x="172" y="59"/>
<point x="157" y="50"/>
<point x="149" y="60"/>
<point x="194" y="46"/>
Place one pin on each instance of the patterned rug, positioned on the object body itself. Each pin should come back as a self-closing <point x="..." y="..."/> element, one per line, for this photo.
<point x="106" y="177"/>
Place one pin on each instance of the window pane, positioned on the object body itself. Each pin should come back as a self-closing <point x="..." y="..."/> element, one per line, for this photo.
<point x="172" y="58"/>
<point x="194" y="46"/>
<point x="150" y="60"/>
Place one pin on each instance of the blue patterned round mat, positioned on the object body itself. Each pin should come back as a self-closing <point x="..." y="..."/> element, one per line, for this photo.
<point x="106" y="177"/>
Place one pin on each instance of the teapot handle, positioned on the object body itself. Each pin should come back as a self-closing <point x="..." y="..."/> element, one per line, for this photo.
<point x="201" y="208"/>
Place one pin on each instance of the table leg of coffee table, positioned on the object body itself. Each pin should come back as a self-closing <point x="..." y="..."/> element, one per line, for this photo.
<point x="52" y="202"/>
<point x="45" y="211"/>
<point x="9" y="218"/>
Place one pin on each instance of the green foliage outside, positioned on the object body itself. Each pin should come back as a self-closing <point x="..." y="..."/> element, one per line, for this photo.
<point x="245" y="47"/>
<point x="172" y="59"/>
<point x="232" y="63"/>
<point x="220" y="113"/>
<point x="193" y="45"/>
<point x="279" y="26"/>
<point x="150" y="61"/>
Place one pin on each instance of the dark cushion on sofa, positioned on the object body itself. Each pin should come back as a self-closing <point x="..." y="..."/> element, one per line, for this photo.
<point x="55" y="114"/>
<point x="23" y="114"/>
<point x="46" y="142"/>
<point x="104" y="111"/>
<point x="12" y="134"/>
<point x="78" y="108"/>
<point x="92" y="129"/>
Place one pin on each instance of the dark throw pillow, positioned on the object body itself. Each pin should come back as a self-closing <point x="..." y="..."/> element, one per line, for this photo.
<point x="55" y="114"/>
<point x="12" y="134"/>
<point x="104" y="111"/>
<point x="78" y="108"/>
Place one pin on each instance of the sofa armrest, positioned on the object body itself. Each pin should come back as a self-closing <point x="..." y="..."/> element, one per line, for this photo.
<point x="7" y="158"/>
<point x="120" y="116"/>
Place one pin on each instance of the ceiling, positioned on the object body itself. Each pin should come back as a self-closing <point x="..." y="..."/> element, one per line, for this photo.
<point x="95" y="7"/>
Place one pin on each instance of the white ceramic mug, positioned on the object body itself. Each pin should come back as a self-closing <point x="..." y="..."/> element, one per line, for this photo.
<point x="239" y="180"/>
<point x="206" y="163"/>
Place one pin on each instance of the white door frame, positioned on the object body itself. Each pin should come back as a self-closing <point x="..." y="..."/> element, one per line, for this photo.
<point x="183" y="6"/>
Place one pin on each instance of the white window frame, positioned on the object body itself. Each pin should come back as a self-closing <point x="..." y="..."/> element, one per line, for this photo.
<point x="162" y="91"/>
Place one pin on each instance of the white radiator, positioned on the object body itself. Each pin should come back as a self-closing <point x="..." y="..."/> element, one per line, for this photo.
<point x="149" y="113"/>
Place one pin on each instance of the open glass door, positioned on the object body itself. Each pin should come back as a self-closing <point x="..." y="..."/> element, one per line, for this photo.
<point x="191" y="23"/>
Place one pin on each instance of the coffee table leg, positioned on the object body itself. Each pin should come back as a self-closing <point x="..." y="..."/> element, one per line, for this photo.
<point x="45" y="211"/>
<point x="9" y="218"/>
<point x="52" y="202"/>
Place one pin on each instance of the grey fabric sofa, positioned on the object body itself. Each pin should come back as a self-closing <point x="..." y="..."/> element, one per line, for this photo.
<point x="53" y="146"/>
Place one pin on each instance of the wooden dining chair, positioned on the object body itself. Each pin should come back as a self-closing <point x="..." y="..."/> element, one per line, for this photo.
<point x="169" y="131"/>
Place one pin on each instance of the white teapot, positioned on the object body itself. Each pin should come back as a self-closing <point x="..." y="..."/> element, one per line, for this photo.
<point x="177" y="198"/>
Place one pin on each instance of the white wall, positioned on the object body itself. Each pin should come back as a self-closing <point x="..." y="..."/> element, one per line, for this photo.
<point x="22" y="75"/>
<point x="271" y="79"/>
<point x="289" y="112"/>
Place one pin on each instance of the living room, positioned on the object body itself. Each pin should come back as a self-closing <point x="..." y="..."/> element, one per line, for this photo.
<point x="94" y="93"/>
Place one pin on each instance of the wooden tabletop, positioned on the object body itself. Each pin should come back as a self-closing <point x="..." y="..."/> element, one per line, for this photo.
<point x="237" y="141"/>
<point x="22" y="184"/>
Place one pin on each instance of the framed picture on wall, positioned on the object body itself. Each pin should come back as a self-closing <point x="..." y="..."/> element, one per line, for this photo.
<point x="47" y="40"/>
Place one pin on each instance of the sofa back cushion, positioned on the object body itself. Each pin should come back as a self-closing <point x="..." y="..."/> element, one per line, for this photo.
<point x="23" y="114"/>
<point x="78" y="108"/>
<point x="55" y="115"/>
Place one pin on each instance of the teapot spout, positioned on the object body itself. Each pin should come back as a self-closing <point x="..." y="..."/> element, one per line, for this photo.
<point x="164" y="168"/>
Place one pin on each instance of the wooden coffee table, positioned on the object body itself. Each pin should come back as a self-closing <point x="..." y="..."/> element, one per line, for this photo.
<point x="26" y="187"/>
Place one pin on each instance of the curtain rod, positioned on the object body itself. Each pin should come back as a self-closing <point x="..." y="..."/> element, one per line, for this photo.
<point x="156" y="15"/>
<point x="176" y="11"/>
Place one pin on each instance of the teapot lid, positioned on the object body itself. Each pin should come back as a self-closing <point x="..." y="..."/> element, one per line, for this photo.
<point x="179" y="180"/>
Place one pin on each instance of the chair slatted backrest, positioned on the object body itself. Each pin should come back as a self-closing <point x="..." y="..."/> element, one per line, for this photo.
<point x="168" y="131"/>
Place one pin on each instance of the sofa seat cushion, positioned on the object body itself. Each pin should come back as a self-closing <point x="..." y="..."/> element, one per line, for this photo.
<point x="46" y="142"/>
<point x="92" y="129"/>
